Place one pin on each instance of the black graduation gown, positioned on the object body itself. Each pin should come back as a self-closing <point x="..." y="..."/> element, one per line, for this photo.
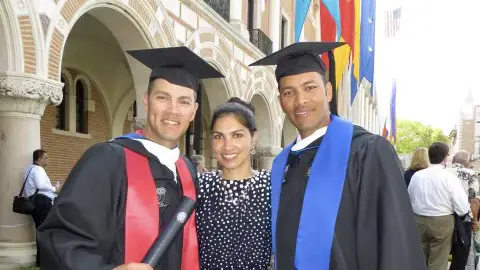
<point x="375" y="227"/>
<point x="86" y="227"/>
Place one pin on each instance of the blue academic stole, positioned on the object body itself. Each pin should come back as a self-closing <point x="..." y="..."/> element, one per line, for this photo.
<point x="322" y="196"/>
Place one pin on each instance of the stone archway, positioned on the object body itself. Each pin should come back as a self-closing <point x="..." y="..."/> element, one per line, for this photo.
<point x="263" y="121"/>
<point x="262" y="82"/>
<point x="11" y="46"/>
<point x="289" y="133"/>
<point x="261" y="91"/>
<point x="3" y="45"/>
<point x="92" y="44"/>
<point x="211" y="46"/>
<point x="134" y="25"/>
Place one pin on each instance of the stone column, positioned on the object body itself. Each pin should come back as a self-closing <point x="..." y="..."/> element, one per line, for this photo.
<point x="213" y="163"/>
<point x="236" y="11"/>
<point x="274" y="23"/>
<point x="265" y="156"/>
<point x="23" y="99"/>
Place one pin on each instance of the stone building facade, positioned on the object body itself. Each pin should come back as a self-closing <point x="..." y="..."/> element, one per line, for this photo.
<point x="66" y="82"/>
<point x="466" y="135"/>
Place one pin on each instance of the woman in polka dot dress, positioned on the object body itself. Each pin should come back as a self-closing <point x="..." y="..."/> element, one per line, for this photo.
<point x="233" y="213"/>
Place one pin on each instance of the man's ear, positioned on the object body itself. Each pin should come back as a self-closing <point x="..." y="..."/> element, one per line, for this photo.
<point x="329" y="91"/>
<point x="194" y="111"/>
<point x="145" y="102"/>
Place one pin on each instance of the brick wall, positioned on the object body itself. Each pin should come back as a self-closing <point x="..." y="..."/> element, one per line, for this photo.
<point x="30" y="61"/>
<point x="54" y="56"/>
<point x="65" y="150"/>
<point x="127" y="126"/>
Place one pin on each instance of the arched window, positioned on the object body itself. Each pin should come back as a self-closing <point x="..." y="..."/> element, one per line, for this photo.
<point x="81" y="111"/>
<point x="134" y="108"/>
<point x="61" y="113"/>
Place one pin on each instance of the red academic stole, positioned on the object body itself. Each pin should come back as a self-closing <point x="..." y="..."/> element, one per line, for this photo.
<point x="142" y="212"/>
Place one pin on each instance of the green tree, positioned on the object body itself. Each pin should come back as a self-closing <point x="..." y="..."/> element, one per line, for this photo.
<point x="413" y="134"/>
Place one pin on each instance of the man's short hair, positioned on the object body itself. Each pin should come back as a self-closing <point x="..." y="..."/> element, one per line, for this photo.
<point x="462" y="157"/>
<point x="38" y="154"/>
<point x="437" y="152"/>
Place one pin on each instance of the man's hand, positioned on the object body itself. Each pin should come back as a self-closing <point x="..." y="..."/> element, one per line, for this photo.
<point x="475" y="226"/>
<point x="133" y="266"/>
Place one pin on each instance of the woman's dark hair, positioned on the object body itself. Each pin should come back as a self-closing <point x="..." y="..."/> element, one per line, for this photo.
<point x="243" y="111"/>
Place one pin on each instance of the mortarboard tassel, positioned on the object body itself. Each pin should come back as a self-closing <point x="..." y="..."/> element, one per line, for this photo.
<point x="198" y="122"/>
<point x="332" y="80"/>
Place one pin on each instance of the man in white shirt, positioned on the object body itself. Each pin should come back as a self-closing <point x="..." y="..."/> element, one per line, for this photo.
<point x="436" y="195"/>
<point x="38" y="184"/>
<point x="464" y="255"/>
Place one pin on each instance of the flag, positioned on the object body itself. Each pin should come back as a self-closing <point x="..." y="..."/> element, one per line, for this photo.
<point x="355" y="75"/>
<point x="393" y="114"/>
<point x="367" y="41"/>
<point x="347" y="19"/>
<point x="262" y="5"/>
<point x="392" y="22"/>
<point x="342" y="58"/>
<point x="301" y="10"/>
<point x="385" y="130"/>
<point x="333" y="7"/>
<point x="327" y="26"/>
<point x="342" y="54"/>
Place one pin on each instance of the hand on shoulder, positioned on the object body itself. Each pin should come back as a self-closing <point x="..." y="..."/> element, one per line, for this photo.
<point x="133" y="266"/>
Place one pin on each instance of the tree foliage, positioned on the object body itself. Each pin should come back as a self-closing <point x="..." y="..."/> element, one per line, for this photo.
<point x="413" y="134"/>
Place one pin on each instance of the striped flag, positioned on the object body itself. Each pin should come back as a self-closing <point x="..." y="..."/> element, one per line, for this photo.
<point x="392" y="22"/>
<point x="262" y="5"/>
<point x="355" y="76"/>
<point x="367" y="41"/>
<point x="385" y="130"/>
<point x="301" y="10"/>
<point x="393" y="114"/>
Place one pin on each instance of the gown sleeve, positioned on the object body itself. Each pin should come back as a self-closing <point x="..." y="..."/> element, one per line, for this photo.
<point x="387" y="238"/>
<point x="79" y="231"/>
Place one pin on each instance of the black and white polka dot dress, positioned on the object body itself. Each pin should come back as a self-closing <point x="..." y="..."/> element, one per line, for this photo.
<point x="233" y="222"/>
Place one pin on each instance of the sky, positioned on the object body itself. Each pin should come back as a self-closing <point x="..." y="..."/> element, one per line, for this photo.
<point x="434" y="59"/>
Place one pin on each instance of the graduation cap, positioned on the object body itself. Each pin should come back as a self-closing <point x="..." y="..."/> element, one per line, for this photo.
<point x="177" y="65"/>
<point x="303" y="57"/>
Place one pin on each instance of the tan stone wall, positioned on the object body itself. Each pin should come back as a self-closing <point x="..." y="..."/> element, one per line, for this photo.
<point x="65" y="150"/>
<point x="468" y="135"/>
<point x="244" y="11"/>
<point x="264" y="17"/>
<point x="289" y="7"/>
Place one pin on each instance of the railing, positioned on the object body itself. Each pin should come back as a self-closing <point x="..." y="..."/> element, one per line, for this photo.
<point x="222" y="7"/>
<point x="259" y="39"/>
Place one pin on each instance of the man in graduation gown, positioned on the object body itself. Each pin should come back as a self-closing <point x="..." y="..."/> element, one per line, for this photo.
<point x="338" y="197"/>
<point x="121" y="194"/>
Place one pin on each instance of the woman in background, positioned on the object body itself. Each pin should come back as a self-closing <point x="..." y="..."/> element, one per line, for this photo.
<point x="420" y="161"/>
<point x="233" y="213"/>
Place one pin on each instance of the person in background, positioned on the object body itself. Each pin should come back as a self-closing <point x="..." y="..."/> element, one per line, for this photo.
<point x="419" y="162"/>
<point x="199" y="162"/>
<point x="464" y="255"/>
<point x="38" y="184"/>
<point x="436" y="195"/>
<point x="233" y="213"/>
